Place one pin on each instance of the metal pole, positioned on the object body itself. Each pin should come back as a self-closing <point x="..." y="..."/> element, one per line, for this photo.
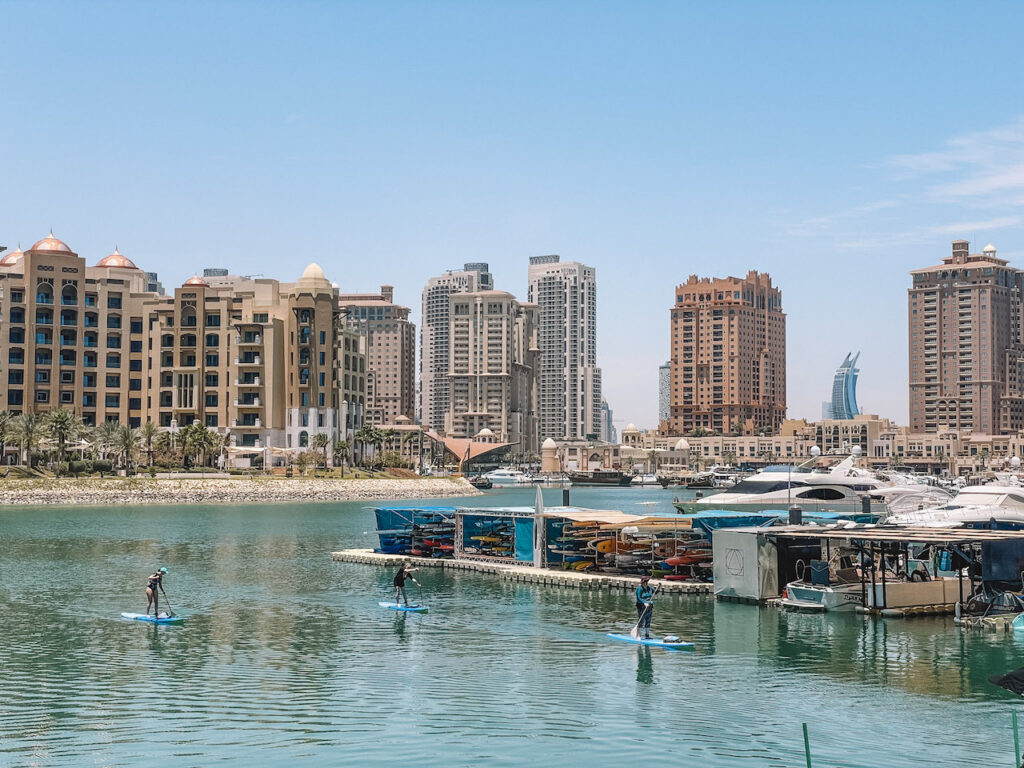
<point x="807" y="747"/>
<point x="885" y="603"/>
<point x="873" y="571"/>
<point x="1016" y="741"/>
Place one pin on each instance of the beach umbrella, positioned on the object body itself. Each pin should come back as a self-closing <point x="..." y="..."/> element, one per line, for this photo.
<point x="538" y="529"/>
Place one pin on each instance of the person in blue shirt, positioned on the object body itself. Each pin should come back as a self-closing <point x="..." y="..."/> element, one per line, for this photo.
<point x="644" y="607"/>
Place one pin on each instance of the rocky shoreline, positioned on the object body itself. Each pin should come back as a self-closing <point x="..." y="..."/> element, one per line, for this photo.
<point x="236" y="490"/>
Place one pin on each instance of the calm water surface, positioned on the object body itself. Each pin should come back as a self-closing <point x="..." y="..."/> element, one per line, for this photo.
<point x="286" y="658"/>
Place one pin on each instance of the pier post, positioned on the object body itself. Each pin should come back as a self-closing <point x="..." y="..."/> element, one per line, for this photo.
<point x="1016" y="741"/>
<point x="807" y="747"/>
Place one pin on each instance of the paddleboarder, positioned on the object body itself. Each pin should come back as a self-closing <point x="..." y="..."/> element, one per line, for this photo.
<point x="400" y="577"/>
<point x="644" y="607"/>
<point x="156" y="583"/>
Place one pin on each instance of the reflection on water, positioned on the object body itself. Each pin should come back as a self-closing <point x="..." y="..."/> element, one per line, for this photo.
<point x="285" y="656"/>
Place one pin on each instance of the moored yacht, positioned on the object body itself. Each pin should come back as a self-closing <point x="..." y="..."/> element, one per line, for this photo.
<point x="508" y="476"/>
<point x="972" y="505"/>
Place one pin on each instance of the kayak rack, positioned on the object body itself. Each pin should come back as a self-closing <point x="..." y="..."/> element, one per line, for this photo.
<point x="522" y="573"/>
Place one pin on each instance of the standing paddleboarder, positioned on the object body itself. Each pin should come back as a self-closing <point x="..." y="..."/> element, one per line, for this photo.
<point x="400" y="577"/>
<point x="156" y="582"/>
<point x="644" y="608"/>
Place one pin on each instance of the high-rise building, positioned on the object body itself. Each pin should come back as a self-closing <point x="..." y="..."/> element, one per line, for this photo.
<point x="435" y="349"/>
<point x="390" y="353"/>
<point x="844" y="390"/>
<point x="966" y="356"/>
<point x="569" y="381"/>
<point x="260" y="361"/>
<point x="608" y="432"/>
<point x="491" y="369"/>
<point x="664" y="392"/>
<point x="728" y="355"/>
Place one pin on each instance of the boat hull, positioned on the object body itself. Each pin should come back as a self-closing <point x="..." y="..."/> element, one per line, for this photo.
<point x="839" y="597"/>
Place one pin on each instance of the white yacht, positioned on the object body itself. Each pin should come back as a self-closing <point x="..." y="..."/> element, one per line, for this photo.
<point x="508" y="476"/>
<point x="843" y="489"/>
<point x="973" y="504"/>
<point x="644" y="480"/>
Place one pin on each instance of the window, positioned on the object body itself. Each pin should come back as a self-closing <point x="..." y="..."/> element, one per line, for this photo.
<point x="322" y="359"/>
<point x="211" y="400"/>
<point x="15" y="377"/>
<point x="17" y="315"/>
<point x="134" y="403"/>
<point x="134" y="422"/>
<point x="17" y="297"/>
<point x="113" y="342"/>
<point x="67" y="397"/>
<point x="212" y="340"/>
<point x="88" y="379"/>
<point x="323" y="337"/>
<point x="213" y="321"/>
<point x="113" y="380"/>
<point x="304" y="400"/>
<point x="135" y="365"/>
<point x="113" y="301"/>
<point x="213" y="359"/>
<point x="113" y="321"/>
<point x="112" y="401"/>
<point x="67" y="377"/>
<point x="211" y="419"/>
<point x="135" y="346"/>
<point x="17" y="336"/>
<point x="261" y="317"/>
<point x="43" y="396"/>
<point x="136" y="326"/>
<point x="15" y="397"/>
<point x="211" y="379"/>
<point x="113" y="361"/>
<point x="135" y="385"/>
<point x="89" y="400"/>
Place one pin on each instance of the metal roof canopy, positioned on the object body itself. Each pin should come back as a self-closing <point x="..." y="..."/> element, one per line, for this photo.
<point x="909" y="534"/>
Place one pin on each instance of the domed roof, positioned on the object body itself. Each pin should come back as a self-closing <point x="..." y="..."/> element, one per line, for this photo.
<point x="682" y="444"/>
<point x="549" y="445"/>
<point x="631" y="428"/>
<point x="989" y="248"/>
<point x="313" y="272"/>
<point x="195" y="280"/>
<point x="51" y="244"/>
<point x="116" y="259"/>
<point x="485" y="432"/>
<point x="12" y="257"/>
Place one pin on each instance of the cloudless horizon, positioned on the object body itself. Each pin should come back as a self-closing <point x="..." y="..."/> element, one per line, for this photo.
<point x="835" y="147"/>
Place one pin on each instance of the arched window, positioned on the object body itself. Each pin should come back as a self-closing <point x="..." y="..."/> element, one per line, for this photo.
<point x="303" y="439"/>
<point x="44" y="293"/>
<point x="69" y="295"/>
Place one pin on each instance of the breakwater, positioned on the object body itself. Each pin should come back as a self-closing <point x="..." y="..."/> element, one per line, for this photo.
<point x="234" y="490"/>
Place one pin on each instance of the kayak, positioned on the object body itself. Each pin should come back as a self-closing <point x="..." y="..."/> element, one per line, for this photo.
<point x="400" y="607"/>
<point x="163" y="618"/>
<point x="675" y="645"/>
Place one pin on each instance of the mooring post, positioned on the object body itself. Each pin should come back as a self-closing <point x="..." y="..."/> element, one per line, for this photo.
<point x="1016" y="742"/>
<point x="807" y="747"/>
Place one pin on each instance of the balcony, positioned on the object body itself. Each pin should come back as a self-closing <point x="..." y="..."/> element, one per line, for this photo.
<point x="253" y="403"/>
<point x="248" y="339"/>
<point x="253" y="360"/>
<point x="254" y="382"/>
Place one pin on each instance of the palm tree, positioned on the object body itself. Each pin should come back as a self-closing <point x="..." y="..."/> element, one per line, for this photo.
<point x="341" y="449"/>
<point x="362" y="438"/>
<point x="64" y="427"/>
<point x="6" y="426"/>
<point x="105" y="437"/>
<point x="148" y="433"/>
<point x="197" y="441"/>
<point x="126" y="444"/>
<point x="28" y="429"/>
<point x="319" y="444"/>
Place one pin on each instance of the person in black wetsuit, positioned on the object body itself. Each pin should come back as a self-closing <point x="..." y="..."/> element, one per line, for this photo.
<point x="155" y="584"/>
<point x="644" y="607"/>
<point x="400" y="577"/>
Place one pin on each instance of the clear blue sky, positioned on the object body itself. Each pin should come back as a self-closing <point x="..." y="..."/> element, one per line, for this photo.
<point x="834" y="145"/>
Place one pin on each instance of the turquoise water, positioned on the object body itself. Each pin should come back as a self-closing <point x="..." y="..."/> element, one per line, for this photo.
<point x="285" y="658"/>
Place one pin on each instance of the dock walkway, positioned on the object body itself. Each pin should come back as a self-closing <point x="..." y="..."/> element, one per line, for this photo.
<point x="523" y="573"/>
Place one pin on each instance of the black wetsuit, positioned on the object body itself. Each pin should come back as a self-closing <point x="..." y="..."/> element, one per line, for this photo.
<point x="400" y="578"/>
<point x="156" y="581"/>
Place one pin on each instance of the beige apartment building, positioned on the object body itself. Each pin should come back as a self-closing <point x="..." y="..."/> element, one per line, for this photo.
<point x="492" y="369"/>
<point x="390" y="342"/>
<point x="966" y="352"/>
<point x="268" y="365"/>
<point x="728" y="363"/>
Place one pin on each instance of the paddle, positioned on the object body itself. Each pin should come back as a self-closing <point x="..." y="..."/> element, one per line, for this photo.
<point x="170" y="610"/>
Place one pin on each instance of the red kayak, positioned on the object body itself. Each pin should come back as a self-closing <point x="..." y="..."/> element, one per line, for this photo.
<point x="690" y="558"/>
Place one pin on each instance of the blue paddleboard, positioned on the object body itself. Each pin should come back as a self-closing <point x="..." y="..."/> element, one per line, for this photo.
<point x="163" y="618"/>
<point x="676" y="646"/>
<point x="400" y="607"/>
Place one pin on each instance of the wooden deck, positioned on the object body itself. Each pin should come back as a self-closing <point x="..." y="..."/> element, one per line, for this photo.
<point x="523" y="573"/>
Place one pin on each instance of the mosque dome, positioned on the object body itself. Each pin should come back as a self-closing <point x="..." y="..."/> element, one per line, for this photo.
<point x="631" y="428"/>
<point x="989" y="249"/>
<point x="485" y="432"/>
<point x="313" y="272"/>
<point x="195" y="280"/>
<point x="116" y="259"/>
<point x="549" y="445"/>
<point x="682" y="444"/>
<point x="51" y="244"/>
<point x="12" y="258"/>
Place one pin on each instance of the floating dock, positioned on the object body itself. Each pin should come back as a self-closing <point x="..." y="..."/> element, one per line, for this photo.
<point x="523" y="573"/>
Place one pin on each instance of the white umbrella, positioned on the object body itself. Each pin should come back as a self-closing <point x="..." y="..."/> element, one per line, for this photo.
<point x="538" y="529"/>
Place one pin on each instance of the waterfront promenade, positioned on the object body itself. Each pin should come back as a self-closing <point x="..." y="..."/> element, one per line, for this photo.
<point x="196" y="489"/>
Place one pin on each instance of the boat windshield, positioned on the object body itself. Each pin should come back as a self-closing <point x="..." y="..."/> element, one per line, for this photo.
<point x="764" y="486"/>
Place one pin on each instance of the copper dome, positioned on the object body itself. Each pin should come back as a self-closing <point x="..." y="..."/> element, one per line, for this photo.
<point x="11" y="258"/>
<point x="51" y="244"/>
<point x="116" y="259"/>
<point x="195" y="280"/>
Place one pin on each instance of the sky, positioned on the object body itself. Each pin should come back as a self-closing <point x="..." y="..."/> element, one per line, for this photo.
<point x="835" y="146"/>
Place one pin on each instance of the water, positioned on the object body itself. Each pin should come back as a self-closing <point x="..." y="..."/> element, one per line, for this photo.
<point x="285" y="656"/>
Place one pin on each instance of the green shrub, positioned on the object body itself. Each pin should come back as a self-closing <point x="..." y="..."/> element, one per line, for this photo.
<point x="76" y="468"/>
<point x="152" y="471"/>
<point x="62" y="469"/>
<point x="102" y="466"/>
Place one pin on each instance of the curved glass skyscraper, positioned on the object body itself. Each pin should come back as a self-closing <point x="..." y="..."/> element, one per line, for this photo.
<point x="844" y="390"/>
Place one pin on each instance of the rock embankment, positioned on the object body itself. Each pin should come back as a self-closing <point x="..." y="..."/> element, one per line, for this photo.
<point x="235" y="490"/>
